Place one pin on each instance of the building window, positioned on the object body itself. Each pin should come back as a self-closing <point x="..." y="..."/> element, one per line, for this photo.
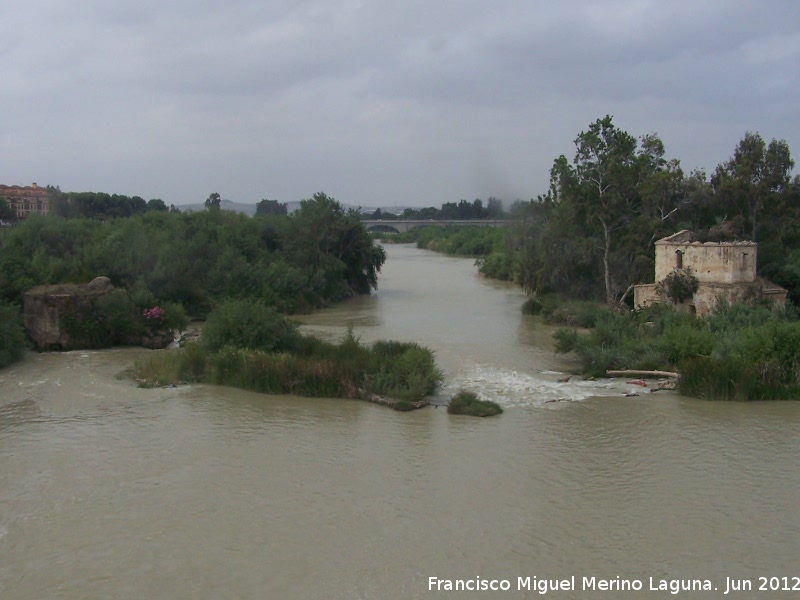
<point x="678" y="259"/>
<point x="744" y="261"/>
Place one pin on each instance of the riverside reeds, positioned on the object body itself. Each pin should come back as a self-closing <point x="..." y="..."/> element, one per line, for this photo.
<point x="738" y="352"/>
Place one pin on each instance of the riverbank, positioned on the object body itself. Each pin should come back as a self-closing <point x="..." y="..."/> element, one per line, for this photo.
<point x="739" y="352"/>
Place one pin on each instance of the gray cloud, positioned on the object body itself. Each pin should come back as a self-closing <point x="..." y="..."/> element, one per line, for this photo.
<point x="376" y="102"/>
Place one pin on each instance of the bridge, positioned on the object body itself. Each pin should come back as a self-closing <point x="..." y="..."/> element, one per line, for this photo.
<point x="403" y="225"/>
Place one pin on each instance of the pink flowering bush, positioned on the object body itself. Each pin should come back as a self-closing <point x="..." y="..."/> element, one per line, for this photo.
<point x="154" y="315"/>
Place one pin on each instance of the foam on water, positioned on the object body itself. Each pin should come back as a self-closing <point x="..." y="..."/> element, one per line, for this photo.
<point x="512" y="388"/>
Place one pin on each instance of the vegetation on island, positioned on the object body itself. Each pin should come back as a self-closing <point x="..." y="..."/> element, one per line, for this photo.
<point x="319" y="254"/>
<point x="249" y="345"/>
<point x="468" y="403"/>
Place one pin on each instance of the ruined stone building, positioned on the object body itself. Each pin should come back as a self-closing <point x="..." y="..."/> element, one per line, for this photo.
<point x="26" y="200"/>
<point x="723" y="270"/>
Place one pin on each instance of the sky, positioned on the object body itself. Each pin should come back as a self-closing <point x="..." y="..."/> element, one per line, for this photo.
<point x="377" y="102"/>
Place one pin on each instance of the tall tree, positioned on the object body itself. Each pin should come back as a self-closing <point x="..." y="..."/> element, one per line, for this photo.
<point x="754" y="172"/>
<point x="601" y="184"/>
<point x="326" y="238"/>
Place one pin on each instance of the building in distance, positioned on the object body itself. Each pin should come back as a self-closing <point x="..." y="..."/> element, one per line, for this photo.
<point x="26" y="200"/>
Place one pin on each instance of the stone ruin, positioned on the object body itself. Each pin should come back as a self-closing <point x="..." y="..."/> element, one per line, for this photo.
<point x="48" y="307"/>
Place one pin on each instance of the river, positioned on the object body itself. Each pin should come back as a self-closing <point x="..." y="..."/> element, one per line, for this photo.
<point x="110" y="491"/>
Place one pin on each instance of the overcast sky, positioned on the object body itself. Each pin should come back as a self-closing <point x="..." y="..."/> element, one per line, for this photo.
<point x="377" y="102"/>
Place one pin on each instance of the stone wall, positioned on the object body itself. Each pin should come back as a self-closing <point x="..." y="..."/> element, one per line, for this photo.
<point x="47" y="308"/>
<point x="710" y="262"/>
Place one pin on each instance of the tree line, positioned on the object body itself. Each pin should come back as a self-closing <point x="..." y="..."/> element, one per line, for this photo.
<point x="462" y="210"/>
<point x="320" y="253"/>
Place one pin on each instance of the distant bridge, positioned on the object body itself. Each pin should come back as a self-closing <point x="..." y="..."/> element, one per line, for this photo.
<point x="403" y="225"/>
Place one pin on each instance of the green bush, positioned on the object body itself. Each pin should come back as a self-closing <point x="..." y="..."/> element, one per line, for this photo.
<point x="122" y="319"/>
<point x="683" y="342"/>
<point x="12" y="335"/>
<point x="575" y="313"/>
<point x="532" y="306"/>
<point x="249" y="324"/>
<point x="499" y="264"/>
<point x="566" y="340"/>
<point x="175" y="318"/>
<point x="679" y="285"/>
<point x="404" y="370"/>
<point x="467" y="403"/>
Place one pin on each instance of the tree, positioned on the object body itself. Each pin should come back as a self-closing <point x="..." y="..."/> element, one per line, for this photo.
<point x="271" y="207"/>
<point x="601" y="183"/>
<point x="213" y="202"/>
<point x="604" y="210"/>
<point x="494" y="208"/>
<point x="326" y="238"/>
<point x="157" y="204"/>
<point x="7" y="213"/>
<point x="754" y="172"/>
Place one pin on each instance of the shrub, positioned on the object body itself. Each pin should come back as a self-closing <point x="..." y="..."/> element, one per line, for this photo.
<point x="683" y="342"/>
<point x="249" y="324"/>
<point x="120" y="316"/>
<point x="467" y="403"/>
<point x="532" y="306"/>
<point x="498" y="265"/>
<point x="175" y="318"/>
<point x="12" y="335"/>
<point x="566" y="340"/>
<point x="680" y="285"/>
<point x="575" y="313"/>
<point x="404" y="370"/>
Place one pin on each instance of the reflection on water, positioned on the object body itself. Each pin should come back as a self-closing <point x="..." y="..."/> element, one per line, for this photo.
<point x="109" y="491"/>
